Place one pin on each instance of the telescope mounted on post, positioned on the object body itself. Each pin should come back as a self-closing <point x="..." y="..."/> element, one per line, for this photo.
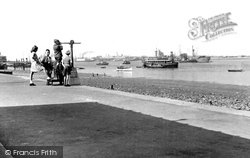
<point x="71" y="43"/>
<point x="74" y="79"/>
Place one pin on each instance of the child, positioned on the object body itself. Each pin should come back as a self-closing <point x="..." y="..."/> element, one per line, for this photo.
<point x="47" y="64"/>
<point x="67" y="68"/>
<point x="35" y="64"/>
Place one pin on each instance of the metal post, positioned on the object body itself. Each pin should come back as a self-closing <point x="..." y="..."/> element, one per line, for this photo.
<point x="71" y="43"/>
<point x="72" y="58"/>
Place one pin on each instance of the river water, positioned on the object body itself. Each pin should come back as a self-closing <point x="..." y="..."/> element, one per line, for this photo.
<point x="215" y="71"/>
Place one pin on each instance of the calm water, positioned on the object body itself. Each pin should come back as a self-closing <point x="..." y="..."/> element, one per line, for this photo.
<point x="215" y="71"/>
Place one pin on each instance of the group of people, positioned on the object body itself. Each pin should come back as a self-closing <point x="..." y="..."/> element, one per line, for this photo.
<point x="46" y="63"/>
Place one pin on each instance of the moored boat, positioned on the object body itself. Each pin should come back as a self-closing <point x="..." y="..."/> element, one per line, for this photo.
<point x="126" y="62"/>
<point x="102" y="63"/>
<point x="123" y="68"/>
<point x="160" y="62"/>
<point x="80" y="68"/>
<point x="235" y="70"/>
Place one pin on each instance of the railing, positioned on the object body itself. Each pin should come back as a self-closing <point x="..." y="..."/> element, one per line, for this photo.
<point x="21" y="65"/>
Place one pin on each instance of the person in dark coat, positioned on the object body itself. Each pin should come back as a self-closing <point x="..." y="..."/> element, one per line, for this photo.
<point x="58" y="50"/>
<point x="58" y="57"/>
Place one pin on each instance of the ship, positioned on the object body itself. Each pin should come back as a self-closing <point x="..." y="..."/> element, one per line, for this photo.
<point x="126" y="62"/>
<point x="160" y="64"/>
<point x="194" y="58"/>
<point x="203" y="59"/>
<point x="84" y="60"/>
<point x="160" y="61"/>
<point x="185" y="59"/>
<point x="102" y="63"/>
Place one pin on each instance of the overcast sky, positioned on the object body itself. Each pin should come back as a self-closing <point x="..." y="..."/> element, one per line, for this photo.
<point x="129" y="27"/>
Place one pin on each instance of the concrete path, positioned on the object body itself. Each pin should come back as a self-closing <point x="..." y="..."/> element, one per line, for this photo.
<point x="15" y="91"/>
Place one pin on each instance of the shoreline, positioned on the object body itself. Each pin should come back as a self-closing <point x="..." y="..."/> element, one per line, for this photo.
<point x="204" y="93"/>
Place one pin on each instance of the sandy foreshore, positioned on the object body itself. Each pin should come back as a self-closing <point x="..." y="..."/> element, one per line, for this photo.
<point x="204" y="93"/>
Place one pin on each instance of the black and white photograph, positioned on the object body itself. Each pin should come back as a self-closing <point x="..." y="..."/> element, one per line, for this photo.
<point x="124" y="79"/>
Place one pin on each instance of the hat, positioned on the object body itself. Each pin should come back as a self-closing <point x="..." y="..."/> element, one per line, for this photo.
<point x="56" y="40"/>
<point x="34" y="48"/>
<point x="68" y="52"/>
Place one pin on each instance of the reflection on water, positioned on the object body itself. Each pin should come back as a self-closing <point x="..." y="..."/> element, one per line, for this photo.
<point x="215" y="71"/>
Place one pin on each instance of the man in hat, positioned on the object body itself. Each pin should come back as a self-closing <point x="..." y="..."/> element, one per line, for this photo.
<point x="58" y="57"/>
<point x="58" y="50"/>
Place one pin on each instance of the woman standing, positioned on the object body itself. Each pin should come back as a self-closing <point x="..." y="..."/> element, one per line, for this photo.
<point x="35" y="64"/>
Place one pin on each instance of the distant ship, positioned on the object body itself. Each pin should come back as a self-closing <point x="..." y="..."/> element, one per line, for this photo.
<point x="194" y="59"/>
<point x="188" y="60"/>
<point x="160" y="62"/>
<point x="102" y="63"/>
<point x="126" y="62"/>
<point x="82" y="58"/>
<point x="203" y="59"/>
<point x="85" y="59"/>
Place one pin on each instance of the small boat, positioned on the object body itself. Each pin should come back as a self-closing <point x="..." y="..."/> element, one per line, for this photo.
<point x="123" y="68"/>
<point x="102" y="63"/>
<point x="103" y="67"/>
<point x="126" y="62"/>
<point x="138" y="66"/>
<point x="80" y="68"/>
<point x="235" y="70"/>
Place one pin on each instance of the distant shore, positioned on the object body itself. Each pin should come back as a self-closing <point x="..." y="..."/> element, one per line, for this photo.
<point x="204" y="93"/>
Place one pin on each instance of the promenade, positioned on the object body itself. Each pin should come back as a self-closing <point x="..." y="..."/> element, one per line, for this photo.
<point x="211" y="131"/>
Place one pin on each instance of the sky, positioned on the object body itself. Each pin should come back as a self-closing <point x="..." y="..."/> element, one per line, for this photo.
<point x="128" y="27"/>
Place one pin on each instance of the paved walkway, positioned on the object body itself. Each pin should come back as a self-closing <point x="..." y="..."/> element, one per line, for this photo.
<point x="15" y="91"/>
